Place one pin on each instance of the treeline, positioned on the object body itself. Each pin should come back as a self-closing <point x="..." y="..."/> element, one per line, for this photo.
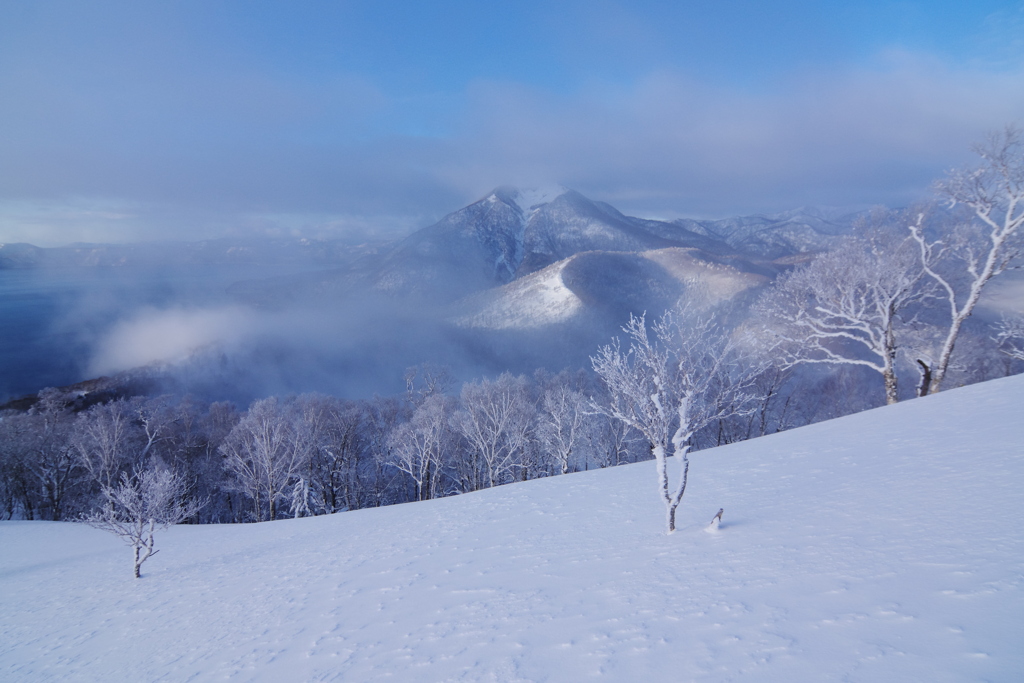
<point x="314" y="454"/>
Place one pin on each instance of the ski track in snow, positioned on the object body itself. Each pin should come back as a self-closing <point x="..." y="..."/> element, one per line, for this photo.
<point x="885" y="546"/>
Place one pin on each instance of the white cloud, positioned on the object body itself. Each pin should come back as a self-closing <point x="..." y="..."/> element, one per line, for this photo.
<point x="169" y="336"/>
<point x="864" y="135"/>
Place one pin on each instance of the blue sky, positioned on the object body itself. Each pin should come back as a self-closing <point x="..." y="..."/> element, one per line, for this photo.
<point x="152" y="120"/>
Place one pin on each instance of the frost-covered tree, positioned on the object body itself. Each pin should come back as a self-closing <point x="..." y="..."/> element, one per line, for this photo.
<point x="562" y="423"/>
<point x="50" y="457"/>
<point x="381" y="416"/>
<point x="328" y="432"/>
<point x="139" y="505"/>
<point x="672" y="382"/>
<point x="19" y="495"/>
<point x="155" y="418"/>
<point x="261" y="453"/>
<point x="420" y="446"/>
<point x="613" y="442"/>
<point x="963" y="260"/>
<point x="495" y="419"/>
<point x="106" y="440"/>
<point x="844" y="307"/>
<point x="112" y="437"/>
<point x="210" y="477"/>
<point x="1010" y="337"/>
<point x="426" y="379"/>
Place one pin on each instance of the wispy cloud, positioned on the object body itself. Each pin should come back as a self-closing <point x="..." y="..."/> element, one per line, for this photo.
<point x="273" y="124"/>
<point x="865" y="135"/>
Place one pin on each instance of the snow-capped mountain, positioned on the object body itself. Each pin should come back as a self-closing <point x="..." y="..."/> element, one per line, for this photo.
<point x="478" y="246"/>
<point x="512" y="233"/>
<point x="570" y="223"/>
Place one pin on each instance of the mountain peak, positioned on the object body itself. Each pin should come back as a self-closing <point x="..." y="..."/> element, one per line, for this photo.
<point x="528" y="199"/>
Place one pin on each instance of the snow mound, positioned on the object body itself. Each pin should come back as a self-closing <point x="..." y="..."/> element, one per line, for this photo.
<point x="885" y="546"/>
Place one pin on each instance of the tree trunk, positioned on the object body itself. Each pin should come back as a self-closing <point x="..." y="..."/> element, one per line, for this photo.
<point x="891" y="396"/>
<point x="926" y="378"/>
<point x="672" y="517"/>
<point x="674" y="501"/>
<point x="939" y="372"/>
<point x="889" y="367"/>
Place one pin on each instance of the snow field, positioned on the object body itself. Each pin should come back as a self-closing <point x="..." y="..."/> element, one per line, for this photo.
<point x="885" y="546"/>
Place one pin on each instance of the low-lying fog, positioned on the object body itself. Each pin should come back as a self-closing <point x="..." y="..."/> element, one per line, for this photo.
<point x="64" y="325"/>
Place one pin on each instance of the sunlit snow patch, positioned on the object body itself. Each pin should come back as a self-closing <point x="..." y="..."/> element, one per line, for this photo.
<point x="534" y="301"/>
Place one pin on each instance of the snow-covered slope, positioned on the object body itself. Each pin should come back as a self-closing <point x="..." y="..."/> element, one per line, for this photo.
<point x="570" y="223"/>
<point x="885" y="546"/>
<point x="534" y="301"/>
<point x="603" y="285"/>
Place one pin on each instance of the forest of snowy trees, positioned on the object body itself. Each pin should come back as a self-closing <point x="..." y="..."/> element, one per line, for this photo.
<point x="882" y="317"/>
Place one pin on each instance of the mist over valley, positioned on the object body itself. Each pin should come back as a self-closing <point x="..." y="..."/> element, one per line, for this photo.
<point x="516" y="281"/>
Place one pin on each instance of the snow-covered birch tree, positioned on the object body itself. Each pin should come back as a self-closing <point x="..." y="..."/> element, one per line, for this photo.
<point x="139" y="505"/>
<point x="328" y="434"/>
<point x="51" y="459"/>
<point x="495" y="420"/>
<point x="154" y="418"/>
<point x="670" y="383"/>
<point x="844" y="307"/>
<point x="1010" y="337"/>
<point x="380" y="417"/>
<point x="562" y="424"/>
<point x="419" y="446"/>
<point x="260" y="451"/>
<point x="963" y="261"/>
<point x="106" y="440"/>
